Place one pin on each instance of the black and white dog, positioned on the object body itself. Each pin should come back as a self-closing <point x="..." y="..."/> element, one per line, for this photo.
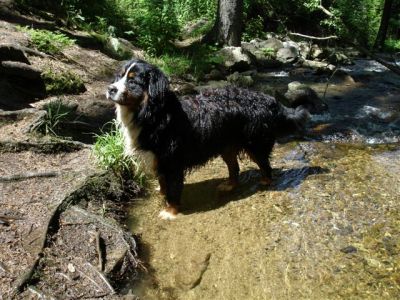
<point x="174" y="135"/>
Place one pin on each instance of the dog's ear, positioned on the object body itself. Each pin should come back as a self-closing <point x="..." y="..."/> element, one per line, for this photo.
<point x="158" y="84"/>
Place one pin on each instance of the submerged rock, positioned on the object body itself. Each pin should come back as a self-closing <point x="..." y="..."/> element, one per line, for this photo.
<point x="240" y="79"/>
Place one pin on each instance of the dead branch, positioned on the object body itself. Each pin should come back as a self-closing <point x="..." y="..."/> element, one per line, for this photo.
<point x="4" y="222"/>
<point x="3" y="268"/>
<point x="46" y="147"/>
<point x="28" y="175"/>
<point x="39" y="294"/>
<point x="102" y="277"/>
<point x="331" y="37"/>
<point x="100" y="251"/>
<point x="99" y="288"/>
<point x="324" y="10"/>
<point x="34" y="52"/>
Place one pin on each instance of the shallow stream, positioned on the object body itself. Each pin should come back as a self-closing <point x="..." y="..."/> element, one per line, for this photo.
<point x="327" y="228"/>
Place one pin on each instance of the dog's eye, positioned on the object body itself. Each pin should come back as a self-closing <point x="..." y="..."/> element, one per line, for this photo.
<point x="131" y="74"/>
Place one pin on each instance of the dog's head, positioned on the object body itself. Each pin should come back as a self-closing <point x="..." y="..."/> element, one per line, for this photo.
<point x="137" y="82"/>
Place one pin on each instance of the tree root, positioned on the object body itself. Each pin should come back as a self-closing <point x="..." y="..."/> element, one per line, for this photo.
<point x="28" y="175"/>
<point x="44" y="147"/>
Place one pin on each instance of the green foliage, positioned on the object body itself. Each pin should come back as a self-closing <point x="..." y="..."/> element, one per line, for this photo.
<point x="254" y="28"/>
<point x="193" y="10"/>
<point x="197" y="62"/>
<point x="65" y="82"/>
<point x="392" y="45"/>
<point x="357" y="19"/>
<point x="56" y="113"/>
<point x="47" y="41"/>
<point x="156" y="25"/>
<point x="109" y="153"/>
<point x="269" y="52"/>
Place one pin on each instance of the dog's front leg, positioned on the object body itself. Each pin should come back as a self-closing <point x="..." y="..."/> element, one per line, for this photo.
<point x="173" y="182"/>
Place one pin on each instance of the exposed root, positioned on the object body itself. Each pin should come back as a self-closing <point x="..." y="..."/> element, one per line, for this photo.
<point x="28" y="175"/>
<point x="46" y="147"/>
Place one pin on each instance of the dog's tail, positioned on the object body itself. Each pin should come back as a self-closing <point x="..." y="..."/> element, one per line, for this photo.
<point x="294" y="120"/>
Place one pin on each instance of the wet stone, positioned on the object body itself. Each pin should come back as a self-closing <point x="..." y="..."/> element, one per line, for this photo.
<point x="349" y="249"/>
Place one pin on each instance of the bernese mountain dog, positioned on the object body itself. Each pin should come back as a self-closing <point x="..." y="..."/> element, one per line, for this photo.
<point x="172" y="135"/>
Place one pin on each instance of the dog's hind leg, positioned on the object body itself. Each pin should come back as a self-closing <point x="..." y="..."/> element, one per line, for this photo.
<point x="230" y="158"/>
<point x="260" y="155"/>
<point x="173" y="183"/>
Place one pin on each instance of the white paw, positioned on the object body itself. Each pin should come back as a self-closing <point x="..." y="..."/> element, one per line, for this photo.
<point x="167" y="215"/>
<point x="225" y="187"/>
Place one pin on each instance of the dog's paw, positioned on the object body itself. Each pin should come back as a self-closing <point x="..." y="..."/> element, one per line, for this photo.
<point x="168" y="213"/>
<point x="265" y="181"/>
<point x="226" y="186"/>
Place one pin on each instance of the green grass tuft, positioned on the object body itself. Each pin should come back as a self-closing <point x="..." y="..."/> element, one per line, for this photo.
<point x="56" y="113"/>
<point x="109" y="153"/>
<point x="47" y="41"/>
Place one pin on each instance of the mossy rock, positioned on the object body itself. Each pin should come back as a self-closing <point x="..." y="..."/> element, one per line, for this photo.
<point x="65" y="82"/>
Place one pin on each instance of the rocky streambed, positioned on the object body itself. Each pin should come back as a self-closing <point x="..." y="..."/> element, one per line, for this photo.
<point x="327" y="228"/>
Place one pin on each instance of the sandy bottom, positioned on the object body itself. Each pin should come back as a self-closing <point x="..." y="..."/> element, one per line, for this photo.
<point x="327" y="228"/>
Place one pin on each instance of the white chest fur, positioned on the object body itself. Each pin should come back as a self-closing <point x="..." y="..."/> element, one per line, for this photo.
<point x="131" y="133"/>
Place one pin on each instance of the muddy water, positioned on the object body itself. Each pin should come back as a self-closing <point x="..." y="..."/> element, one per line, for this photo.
<point x="327" y="228"/>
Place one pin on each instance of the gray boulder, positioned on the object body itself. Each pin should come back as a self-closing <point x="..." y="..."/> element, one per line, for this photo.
<point x="121" y="49"/>
<point x="235" y="58"/>
<point x="304" y="49"/>
<point x="240" y="80"/>
<point x="287" y="55"/>
<point x="301" y="94"/>
<point x="271" y="43"/>
<point x="265" y="57"/>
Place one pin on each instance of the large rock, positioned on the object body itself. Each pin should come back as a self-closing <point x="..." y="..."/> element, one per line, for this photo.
<point x="9" y="52"/>
<point x="271" y="43"/>
<point x="264" y="57"/>
<point x="316" y="52"/>
<point x="304" y="49"/>
<point x="235" y="58"/>
<point x="301" y="94"/>
<point x="20" y="83"/>
<point x="287" y="55"/>
<point x="242" y="80"/>
<point x="120" y="48"/>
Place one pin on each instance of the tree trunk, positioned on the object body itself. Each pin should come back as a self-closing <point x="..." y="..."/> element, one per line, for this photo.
<point x="227" y="29"/>
<point x="381" y="37"/>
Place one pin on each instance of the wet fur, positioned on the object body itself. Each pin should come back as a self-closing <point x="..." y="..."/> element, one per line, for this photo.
<point x="177" y="135"/>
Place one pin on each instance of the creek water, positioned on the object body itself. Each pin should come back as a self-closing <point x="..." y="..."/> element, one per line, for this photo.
<point x="327" y="228"/>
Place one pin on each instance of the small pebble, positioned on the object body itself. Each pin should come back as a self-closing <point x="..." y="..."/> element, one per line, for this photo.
<point x="349" y="249"/>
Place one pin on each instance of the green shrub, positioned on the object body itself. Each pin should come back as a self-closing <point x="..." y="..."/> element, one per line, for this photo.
<point x="190" y="10"/>
<point x="254" y="28"/>
<point x="65" y="82"/>
<point x="109" y="153"/>
<point x="47" y="41"/>
<point x="196" y="62"/>
<point x="392" y="45"/>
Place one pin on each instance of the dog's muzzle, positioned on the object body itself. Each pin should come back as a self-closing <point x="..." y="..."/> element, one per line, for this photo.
<point x="115" y="91"/>
<point x="112" y="90"/>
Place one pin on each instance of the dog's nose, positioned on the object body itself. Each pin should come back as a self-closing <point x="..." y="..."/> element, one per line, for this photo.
<point x="112" y="90"/>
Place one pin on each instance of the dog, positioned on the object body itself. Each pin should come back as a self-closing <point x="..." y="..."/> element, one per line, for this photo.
<point x="172" y="136"/>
